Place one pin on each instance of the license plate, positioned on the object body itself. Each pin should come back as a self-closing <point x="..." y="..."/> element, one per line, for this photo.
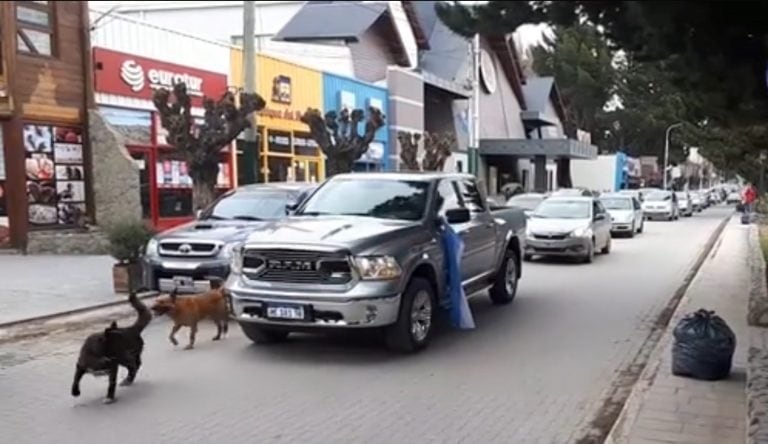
<point x="295" y="313"/>
<point x="184" y="282"/>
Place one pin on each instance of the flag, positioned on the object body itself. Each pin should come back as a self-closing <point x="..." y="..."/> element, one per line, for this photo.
<point x="453" y="247"/>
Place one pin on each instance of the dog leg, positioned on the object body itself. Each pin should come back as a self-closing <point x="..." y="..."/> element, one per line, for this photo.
<point x="112" y="385"/>
<point x="172" y="336"/>
<point x="79" y="372"/>
<point x="219" y="330"/>
<point x="192" y="334"/>
<point x="132" y="371"/>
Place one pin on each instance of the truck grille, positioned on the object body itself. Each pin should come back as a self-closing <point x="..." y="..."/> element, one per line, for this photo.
<point x="188" y="249"/>
<point x="296" y="266"/>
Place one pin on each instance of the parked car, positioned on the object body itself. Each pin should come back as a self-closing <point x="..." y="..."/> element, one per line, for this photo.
<point x="626" y="213"/>
<point x="684" y="203"/>
<point x="183" y="258"/>
<point x="697" y="201"/>
<point x="734" y="198"/>
<point x="637" y="194"/>
<point x="365" y="250"/>
<point x="527" y="202"/>
<point x="577" y="226"/>
<point x="661" y="204"/>
<point x="565" y="192"/>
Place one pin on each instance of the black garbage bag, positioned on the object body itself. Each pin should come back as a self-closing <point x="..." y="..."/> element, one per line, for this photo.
<point x="703" y="347"/>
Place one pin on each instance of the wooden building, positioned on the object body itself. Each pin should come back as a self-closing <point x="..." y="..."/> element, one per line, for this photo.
<point x="44" y="96"/>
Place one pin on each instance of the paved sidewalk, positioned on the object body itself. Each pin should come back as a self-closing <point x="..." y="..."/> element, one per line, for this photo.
<point x="668" y="409"/>
<point x="34" y="286"/>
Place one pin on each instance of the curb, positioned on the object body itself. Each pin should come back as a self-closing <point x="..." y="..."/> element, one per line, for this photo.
<point x="757" y="357"/>
<point x="75" y="311"/>
<point x="647" y="372"/>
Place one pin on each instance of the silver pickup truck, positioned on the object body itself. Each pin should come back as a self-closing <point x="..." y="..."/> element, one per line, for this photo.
<point x="365" y="251"/>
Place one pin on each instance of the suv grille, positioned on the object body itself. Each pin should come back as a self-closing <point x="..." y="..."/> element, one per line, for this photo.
<point x="188" y="249"/>
<point x="296" y="266"/>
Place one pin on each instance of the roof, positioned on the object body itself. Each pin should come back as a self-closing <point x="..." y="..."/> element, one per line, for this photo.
<point x="539" y="92"/>
<point x="410" y="175"/>
<point x="510" y="64"/>
<point x="340" y="21"/>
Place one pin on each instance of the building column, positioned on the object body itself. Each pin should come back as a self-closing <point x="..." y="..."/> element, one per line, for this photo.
<point x="15" y="182"/>
<point x="540" y="174"/>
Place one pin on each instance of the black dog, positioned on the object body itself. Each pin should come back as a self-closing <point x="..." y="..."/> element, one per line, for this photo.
<point x="102" y="353"/>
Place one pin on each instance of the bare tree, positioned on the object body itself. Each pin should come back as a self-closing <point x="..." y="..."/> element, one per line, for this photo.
<point x="199" y="145"/>
<point x="437" y="149"/>
<point x="339" y="137"/>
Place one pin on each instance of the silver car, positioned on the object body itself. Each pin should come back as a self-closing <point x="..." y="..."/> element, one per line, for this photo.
<point x="576" y="226"/>
<point x="527" y="202"/>
<point x="685" y="203"/>
<point x="626" y="213"/>
<point x="661" y="204"/>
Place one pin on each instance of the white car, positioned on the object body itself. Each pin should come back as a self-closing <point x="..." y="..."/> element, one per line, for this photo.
<point x="733" y="198"/>
<point x="626" y="213"/>
<point x="661" y="204"/>
<point x="685" y="203"/>
<point x="697" y="201"/>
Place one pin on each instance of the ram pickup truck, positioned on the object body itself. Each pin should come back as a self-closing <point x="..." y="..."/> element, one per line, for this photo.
<point x="185" y="258"/>
<point x="365" y="251"/>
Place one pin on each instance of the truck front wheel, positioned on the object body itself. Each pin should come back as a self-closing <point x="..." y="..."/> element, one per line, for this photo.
<point x="263" y="335"/>
<point x="504" y="287"/>
<point x="413" y="328"/>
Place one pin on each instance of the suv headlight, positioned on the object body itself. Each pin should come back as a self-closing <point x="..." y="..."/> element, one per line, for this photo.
<point x="151" y="248"/>
<point x="373" y="268"/>
<point x="582" y="232"/>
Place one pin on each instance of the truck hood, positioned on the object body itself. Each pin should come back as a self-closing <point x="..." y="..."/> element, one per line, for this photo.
<point x="542" y="225"/>
<point x="213" y="230"/>
<point x="343" y="232"/>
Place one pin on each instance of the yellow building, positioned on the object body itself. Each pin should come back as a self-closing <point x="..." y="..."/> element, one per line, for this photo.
<point x="286" y="150"/>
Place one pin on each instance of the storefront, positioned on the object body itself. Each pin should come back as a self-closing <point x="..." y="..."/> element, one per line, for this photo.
<point x="124" y="84"/>
<point x="342" y="92"/>
<point x="286" y="151"/>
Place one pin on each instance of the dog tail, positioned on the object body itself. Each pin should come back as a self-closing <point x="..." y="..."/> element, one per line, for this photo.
<point x="144" y="315"/>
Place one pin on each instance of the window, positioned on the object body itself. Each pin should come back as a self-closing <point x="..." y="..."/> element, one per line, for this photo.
<point x="471" y="196"/>
<point x="279" y="142"/>
<point x="447" y="197"/>
<point x="305" y="145"/>
<point x="35" y="27"/>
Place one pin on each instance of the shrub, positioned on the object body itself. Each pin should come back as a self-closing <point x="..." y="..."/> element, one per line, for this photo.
<point x="127" y="241"/>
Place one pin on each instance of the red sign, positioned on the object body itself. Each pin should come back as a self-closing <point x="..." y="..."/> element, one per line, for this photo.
<point x="138" y="77"/>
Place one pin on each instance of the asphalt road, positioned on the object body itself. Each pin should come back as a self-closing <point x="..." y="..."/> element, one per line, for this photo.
<point x="534" y="371"/>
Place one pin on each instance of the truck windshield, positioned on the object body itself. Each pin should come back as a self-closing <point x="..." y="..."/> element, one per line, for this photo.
<point x="563" y="209"/>
<point x="385" y="199"/>
<point x="249" y="206"/>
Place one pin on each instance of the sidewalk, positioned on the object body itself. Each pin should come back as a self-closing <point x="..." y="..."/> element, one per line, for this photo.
<point x="35" y="286"/>
<point x="668" y="409"/>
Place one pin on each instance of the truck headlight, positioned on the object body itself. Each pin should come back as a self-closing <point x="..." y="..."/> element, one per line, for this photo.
<point x="582" y="232"/>
<point x="151" y="248"/>
<point x="236" y="258"/>
<point x="228" y="249"/>
<point x="373" y="268"/>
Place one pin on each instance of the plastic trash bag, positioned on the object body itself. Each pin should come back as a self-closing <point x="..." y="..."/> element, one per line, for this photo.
<point x="703" y="347"/>
<point x="453" y="246"/>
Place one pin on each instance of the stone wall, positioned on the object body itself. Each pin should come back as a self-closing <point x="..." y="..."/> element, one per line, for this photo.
<point x="77" y="241"/>
<point x="115" y="175"/>
<point x="757" y="368"/>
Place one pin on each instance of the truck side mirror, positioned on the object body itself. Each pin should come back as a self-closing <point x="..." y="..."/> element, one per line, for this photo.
<point x="198" y="214"/>
<point x="457" y="215"/>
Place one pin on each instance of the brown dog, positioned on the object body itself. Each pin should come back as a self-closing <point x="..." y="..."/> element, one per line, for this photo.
<point x="188" y="311"/>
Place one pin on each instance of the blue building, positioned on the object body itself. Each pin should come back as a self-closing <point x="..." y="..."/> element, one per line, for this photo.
<point x="342" y="92"/>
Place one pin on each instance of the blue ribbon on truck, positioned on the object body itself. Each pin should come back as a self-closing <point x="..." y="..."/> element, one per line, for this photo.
<point x="453" y="246"/>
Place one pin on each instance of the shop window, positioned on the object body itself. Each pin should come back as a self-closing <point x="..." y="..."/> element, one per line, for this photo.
<point x="305" y="145"/>
<point x="278" y="169"/>
<point x="55" y="175"/>
<point x="35" y="27"/>
<point x="145" y="187"/>
<point x="134" y="126"/>
<point x="279" y="142"/>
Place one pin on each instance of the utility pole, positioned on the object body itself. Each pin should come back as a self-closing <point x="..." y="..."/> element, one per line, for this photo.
<point x="666" y="150"/>
<point x="474" y="112"/>
<point x="249" y="81"/>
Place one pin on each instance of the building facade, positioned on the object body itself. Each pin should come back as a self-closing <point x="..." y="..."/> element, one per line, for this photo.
<point x="131" y="60"/>
<point x="345" y="93"/>
<point x="286" y="150"/>
<point x="45" y="183"/>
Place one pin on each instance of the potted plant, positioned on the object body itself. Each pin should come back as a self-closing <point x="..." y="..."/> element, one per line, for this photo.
<point x="126" y="244"/>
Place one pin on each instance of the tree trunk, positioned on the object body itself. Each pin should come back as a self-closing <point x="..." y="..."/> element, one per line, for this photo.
<point x="203" y="185"/>
<point x="338" y="164"/>
<point x="564" y="173"/>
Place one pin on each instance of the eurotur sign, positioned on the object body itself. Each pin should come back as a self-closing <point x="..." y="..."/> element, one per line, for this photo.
<point x="137" y="77"/>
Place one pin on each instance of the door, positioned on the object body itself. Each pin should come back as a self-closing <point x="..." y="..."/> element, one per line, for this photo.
<point x="306" y="170"/>
<point x="448" y="199"/>
<point x="480" y="241"/>
<point x="602" y="224"/>
<point x="638" y="212"/>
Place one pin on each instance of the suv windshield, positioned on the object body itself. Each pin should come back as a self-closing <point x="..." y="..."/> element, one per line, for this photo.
<point x="380" y="198"/>
<point x="249" y="206"/>
<point x="617" y="203"/>
<point x="563" y="209"/>
<point x="658" y="196"/>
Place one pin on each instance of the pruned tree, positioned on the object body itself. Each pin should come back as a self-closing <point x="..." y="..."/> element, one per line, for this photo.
<point x="409" y="150"/>
<point x="199" y="145"/>
<point x="437" y="149"/>
<point x="339" y="137"/>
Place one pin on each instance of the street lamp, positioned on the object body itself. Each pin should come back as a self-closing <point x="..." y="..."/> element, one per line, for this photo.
<point x="666" y="150"/>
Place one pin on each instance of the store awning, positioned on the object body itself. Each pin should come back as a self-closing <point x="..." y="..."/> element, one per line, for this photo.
<point x="446" y="85"/>
<point x="570" y="148"/>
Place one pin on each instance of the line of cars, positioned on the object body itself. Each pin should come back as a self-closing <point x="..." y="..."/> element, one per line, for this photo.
<point x="579" y="223"/>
